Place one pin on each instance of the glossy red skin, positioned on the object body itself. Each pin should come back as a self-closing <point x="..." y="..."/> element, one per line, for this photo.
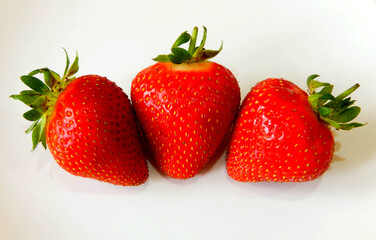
<point x="278" y="137"/>
<point x="185" y="112"/>
<point x="92" y="133"/>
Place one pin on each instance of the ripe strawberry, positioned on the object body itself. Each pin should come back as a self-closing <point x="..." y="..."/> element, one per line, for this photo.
<point x="87" y="123"/>
<point x="185" y="106"/>
<point x="283" y="135"/>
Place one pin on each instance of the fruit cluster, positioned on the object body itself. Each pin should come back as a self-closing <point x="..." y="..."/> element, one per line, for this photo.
<point x="182" y="108"/>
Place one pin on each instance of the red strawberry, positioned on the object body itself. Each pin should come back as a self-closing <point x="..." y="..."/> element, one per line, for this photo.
<point x="185" y="106"/>
<point x="88" y="125"/>
<point x="283" y="135"/>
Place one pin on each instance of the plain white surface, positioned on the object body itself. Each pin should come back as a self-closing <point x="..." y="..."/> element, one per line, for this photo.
<point x="117" y="39"/>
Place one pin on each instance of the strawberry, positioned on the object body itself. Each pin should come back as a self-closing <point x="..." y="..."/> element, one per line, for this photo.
<point x="282" y="134"/>
<point x="185" y="105"/>
<point x="87" y="124"/>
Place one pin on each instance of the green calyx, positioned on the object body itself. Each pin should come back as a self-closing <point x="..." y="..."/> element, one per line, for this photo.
<point x="338" y="111"/>
<point x="42" y="97"/>
<point x="194" y="53"/>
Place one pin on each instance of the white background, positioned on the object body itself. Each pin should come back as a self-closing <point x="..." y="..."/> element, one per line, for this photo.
<point x="117" y="39"/>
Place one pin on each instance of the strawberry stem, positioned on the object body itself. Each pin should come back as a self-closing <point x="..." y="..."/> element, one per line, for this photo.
<point x="193" y="54"/>
<point x="42" y="97"/>
<point x="335" y="111"/>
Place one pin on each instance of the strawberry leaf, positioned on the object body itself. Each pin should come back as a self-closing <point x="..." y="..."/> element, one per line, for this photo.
<point x="206" y="54"/>
<point x="161" y="58"/>
<point x="32" y="115"/>
<point x="316" y="84"/>
<point x="43" y="138"/>
<point x="310" y="79"/>
<point x="27" y="97"/>
<point x="179" y="55"/>
<point x="31" y="128"/>
<point x="54" y="76"/>
<point x="192" y="44"/>
<point x="39" y="133"/>
<point x="183" y="38"/>
<point x="324" y="111"/>
<point x="347" y="115"/>
<point x="29" y="92"/>
<point x="314" y="100"/>
<point x="67" y="63"/>
<point x="319" y="98"/>
<point x="327" y="89"/>
<point x="39" y="102"/>
<point x="203" y="40"/>
<point x="347" y="92"/>
<point x="326" y="96"/>
<point x="344" y="105"/>
<point x="349" y="126"/>
<point x="36" y="136"/>
<point x="35" y="84"/>
<point x="73" y="68"/>
<point x="332" y="123"/>
<point x="48" y="78"/>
